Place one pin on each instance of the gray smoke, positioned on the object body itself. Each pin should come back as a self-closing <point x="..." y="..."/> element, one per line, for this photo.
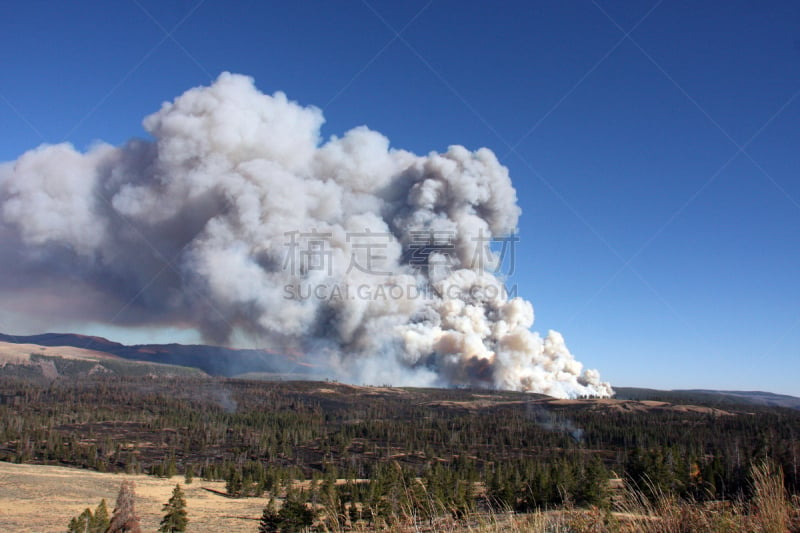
<point x="238" y="220"/>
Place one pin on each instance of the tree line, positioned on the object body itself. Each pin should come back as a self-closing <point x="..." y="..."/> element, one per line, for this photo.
<point x="388" y="448"/>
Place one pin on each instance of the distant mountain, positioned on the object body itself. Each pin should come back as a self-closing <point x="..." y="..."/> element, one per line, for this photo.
<point x="213" y="360"/>
<point x="265" y="365"/>
<point x="35" y="361"/>
<point x="768" y="399"/>
<point x="709" y="397"/>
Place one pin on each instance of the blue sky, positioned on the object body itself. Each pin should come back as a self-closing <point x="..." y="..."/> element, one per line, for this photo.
<point x="654" y="145"/>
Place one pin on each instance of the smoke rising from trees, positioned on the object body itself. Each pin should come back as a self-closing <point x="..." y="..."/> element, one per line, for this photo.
<point x="236" y="218"/>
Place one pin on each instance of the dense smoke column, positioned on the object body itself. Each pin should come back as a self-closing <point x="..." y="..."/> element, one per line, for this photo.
<point x="236" y="218"/>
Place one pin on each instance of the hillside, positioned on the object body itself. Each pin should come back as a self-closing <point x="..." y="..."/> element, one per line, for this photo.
<point x="394" y="450"/>
<point x="309" y="424"/>
<point x="50" y="362"/>
<point x="212" y="360"/>
<point x="11" y="353"/>
<point x="710" y="397"/>
<point x="263" y="365"/>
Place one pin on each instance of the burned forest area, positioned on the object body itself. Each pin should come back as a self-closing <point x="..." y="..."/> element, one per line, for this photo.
<point x="383" y="450"/>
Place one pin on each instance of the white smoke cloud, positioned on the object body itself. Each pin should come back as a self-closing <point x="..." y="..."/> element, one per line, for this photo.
<point x="237" y="219"/>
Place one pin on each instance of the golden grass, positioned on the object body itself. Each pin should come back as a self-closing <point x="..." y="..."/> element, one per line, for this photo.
<point x="42" y="499"/>
<point x="21" y="353"/>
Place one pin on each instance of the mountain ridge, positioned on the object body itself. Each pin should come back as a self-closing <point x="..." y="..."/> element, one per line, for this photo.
<point x="213" y="360"/>
<point x="710" y="396"/>
<point x="266" y="365"/>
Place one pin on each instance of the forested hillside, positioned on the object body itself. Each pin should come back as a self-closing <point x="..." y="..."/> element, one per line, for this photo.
<point x="468" y="448"/>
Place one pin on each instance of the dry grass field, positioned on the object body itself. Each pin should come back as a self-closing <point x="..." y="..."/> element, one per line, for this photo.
<point x="21" y="353"/>
<point x="42" y="499"/>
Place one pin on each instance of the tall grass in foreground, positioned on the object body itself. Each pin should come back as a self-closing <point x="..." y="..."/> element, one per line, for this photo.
<point x="772" y="508"/>
<point x="769" y="510"/>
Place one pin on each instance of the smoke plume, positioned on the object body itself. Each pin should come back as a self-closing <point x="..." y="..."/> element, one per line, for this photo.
<point x="236" y="219"/>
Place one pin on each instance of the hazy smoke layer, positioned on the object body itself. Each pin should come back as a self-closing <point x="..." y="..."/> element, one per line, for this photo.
<point x="236" y="218"/>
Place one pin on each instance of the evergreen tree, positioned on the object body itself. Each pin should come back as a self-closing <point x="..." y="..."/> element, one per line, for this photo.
<point x="80" y="523"/>
<point x="75" y="526"/>
<point x="124" y="519"/>
<point x="175" y="516"/>
<point x="593" y="488"/>
<point x="234" y="482"/>
<point x="188" y="476"/>
<point x="295" y="516"/>
<point x="170" y="468"/>
<point x="100" y="521"/>
<point x="270" y="520"/>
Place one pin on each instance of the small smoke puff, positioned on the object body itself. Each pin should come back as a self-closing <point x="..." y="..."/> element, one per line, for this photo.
<point x="238" y="220"/>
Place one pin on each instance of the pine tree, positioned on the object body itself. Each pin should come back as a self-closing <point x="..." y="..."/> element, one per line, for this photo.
<point x="294" y="515"/>
<point x="188" y="476"/>
<point x="170" y="468"/>
<point x="124" y="519"/>
<point x="75" y="526"/>
<point x="100" y="521"/>
<point x="233" y="483"/>
<point x="80" y="523"/>
<point x="270" y="521"/>
<point x="175" y="517"/>
<point x="593" y="486"/>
